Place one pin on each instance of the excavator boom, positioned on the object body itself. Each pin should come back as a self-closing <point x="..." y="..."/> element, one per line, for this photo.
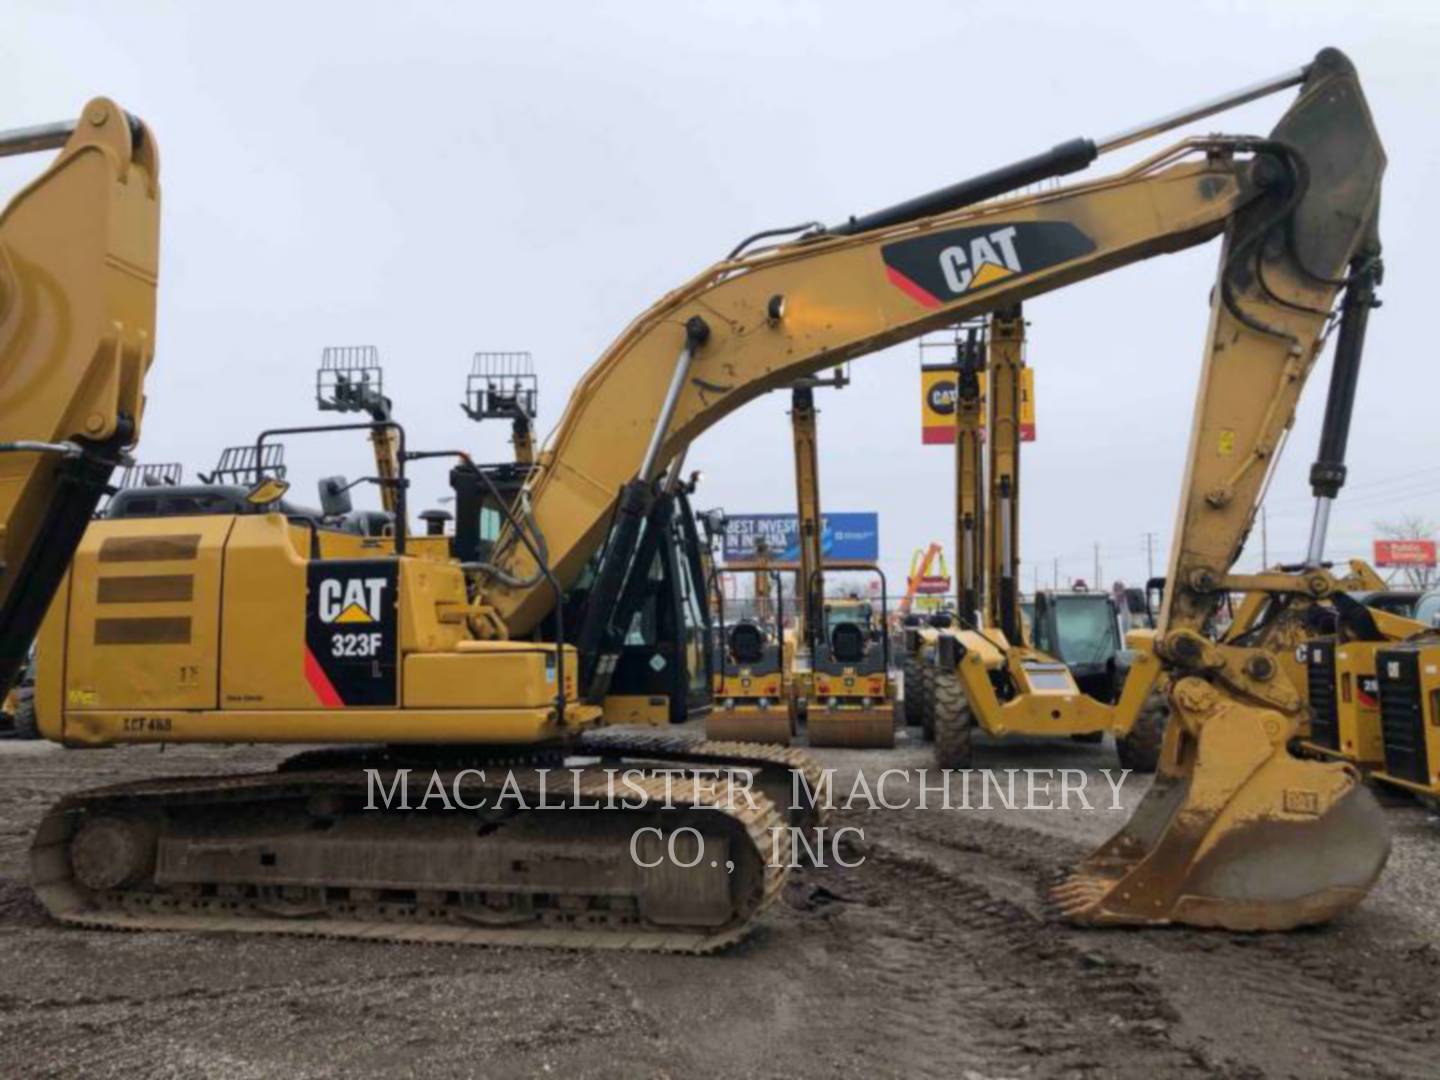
<point x="779" y="314"/>
<point x="79" y="255"/>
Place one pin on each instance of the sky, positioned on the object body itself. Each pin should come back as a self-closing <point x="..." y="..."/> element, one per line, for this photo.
<point x="438" y="179"/>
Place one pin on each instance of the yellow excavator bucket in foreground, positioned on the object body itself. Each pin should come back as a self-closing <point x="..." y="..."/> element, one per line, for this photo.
<point x="1234" y="831"/>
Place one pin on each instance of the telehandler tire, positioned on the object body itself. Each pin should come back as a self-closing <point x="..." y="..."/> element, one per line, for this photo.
<point x="910" y="669"/>
<point x="1089" y="737"/>
<point x="22" y="725"/>
<point x="927" y="700"/>
<point x="1139" y="749"/>
<point x="954" y="723"/>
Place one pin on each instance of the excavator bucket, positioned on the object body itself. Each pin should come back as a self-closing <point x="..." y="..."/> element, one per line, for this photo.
<point x="79" y="259"/>
<point x="1234" y="831"/>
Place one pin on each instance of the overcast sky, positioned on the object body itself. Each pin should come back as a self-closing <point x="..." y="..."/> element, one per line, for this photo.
<point x="436" y="179"/>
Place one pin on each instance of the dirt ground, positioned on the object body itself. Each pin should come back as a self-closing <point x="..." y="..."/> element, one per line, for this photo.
<point x="935" y="957"/>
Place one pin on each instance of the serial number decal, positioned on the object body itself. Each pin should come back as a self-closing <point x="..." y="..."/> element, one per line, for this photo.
<point x="145" y="723"/>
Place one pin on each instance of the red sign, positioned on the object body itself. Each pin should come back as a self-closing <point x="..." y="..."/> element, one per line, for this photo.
<point x="1404" y="552"/>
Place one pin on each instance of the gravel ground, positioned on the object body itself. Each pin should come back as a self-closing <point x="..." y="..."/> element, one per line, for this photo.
<point x="935" y="957"/>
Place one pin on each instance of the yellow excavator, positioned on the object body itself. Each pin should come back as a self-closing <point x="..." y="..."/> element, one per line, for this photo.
<point x="256" y="629"/>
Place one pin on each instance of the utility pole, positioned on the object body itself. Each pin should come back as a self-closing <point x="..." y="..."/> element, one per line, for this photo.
<point x="1057" y="573"/>
<point x="1097" y="564"/>
<point x="1149" y="555"/>
<point x="1036" y="587"/>
<point x="1264" y="541"/>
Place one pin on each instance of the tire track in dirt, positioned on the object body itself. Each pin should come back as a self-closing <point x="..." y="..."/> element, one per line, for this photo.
<point x="1359" y="1008"/>
<point x="966" y="979"/>
<point x="1370" y="1018"/>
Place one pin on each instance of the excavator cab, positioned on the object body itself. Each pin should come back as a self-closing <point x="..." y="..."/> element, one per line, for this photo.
<point x="663" y="675"/>
<point x="645" y="650"/>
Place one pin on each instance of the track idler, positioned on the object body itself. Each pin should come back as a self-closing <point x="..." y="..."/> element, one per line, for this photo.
<point x="1234" y="831"/>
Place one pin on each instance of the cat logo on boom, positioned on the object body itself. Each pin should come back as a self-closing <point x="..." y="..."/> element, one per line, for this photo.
<point x="938" y="268"/>
<point x="352" y="600"/>
<point x="985" y="259"/>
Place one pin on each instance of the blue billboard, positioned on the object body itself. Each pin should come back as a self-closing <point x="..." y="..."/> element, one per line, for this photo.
<point x="844" y="537"/>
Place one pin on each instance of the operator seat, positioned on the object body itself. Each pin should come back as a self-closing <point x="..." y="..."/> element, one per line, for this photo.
<point x="847" y="642"/>
<point x="747" y="643"/>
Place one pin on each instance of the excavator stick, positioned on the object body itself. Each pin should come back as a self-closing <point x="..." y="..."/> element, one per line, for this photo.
<point x="79" y="255"/>
<point x="1235" y="832"/>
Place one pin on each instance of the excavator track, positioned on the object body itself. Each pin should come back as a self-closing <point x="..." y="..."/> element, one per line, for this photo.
<point x="297" y="852"/>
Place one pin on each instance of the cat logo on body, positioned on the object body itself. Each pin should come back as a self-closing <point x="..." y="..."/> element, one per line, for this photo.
<point x="351" y="600"/>
<point x="351" y="632"/>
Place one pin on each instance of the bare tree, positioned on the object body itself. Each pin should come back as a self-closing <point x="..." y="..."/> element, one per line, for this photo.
<point x="1412" y="527"/>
